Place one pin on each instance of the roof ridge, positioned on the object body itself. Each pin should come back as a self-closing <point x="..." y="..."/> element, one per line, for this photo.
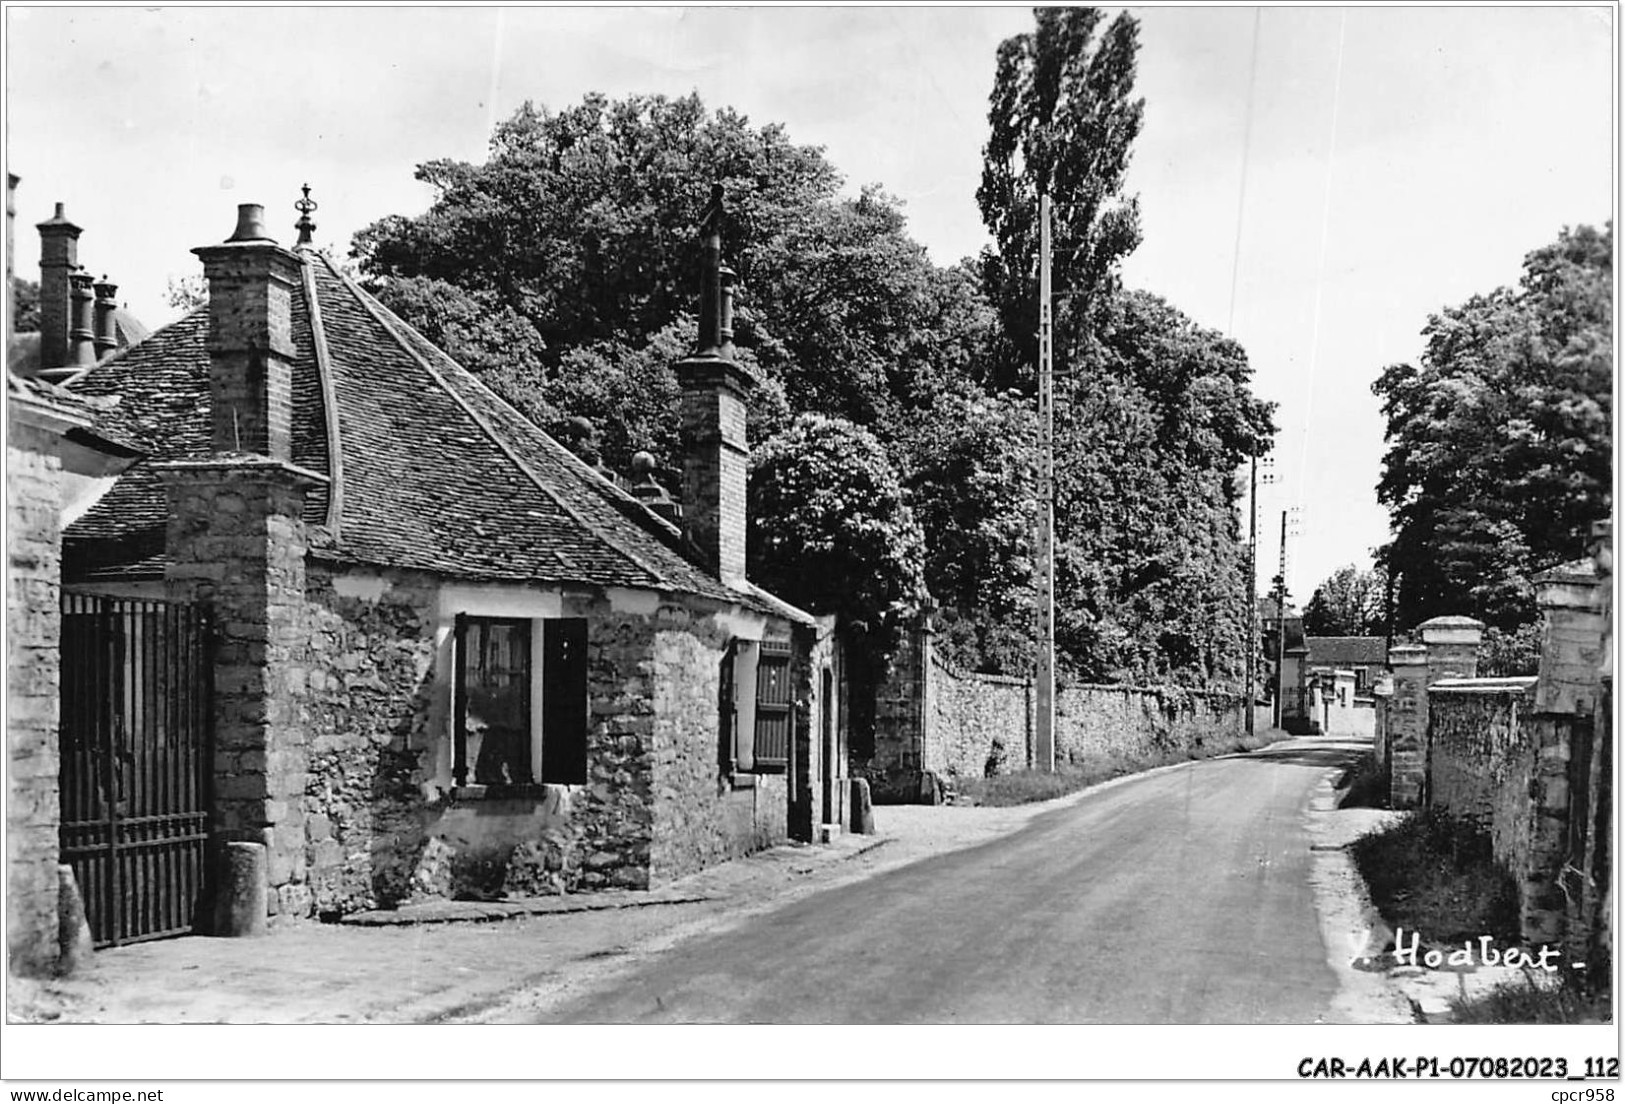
<point x="324" y="378"/>
<point x="384" y="315"/>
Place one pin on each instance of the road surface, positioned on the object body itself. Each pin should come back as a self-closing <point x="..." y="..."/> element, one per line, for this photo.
<point x="1181" y="897"/>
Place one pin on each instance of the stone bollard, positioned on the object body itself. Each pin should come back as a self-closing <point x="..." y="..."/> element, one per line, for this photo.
<point x="863" y="813"/>
<point x="74" y="941"/>
<point x="241" y="893"/>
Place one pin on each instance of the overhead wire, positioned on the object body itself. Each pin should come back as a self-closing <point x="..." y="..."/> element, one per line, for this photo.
<point x="1320" y="272"/>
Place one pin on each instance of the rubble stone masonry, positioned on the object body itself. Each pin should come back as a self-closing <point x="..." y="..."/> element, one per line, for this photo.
<point x="34" y="630"/>
<point x="237" y="542"/>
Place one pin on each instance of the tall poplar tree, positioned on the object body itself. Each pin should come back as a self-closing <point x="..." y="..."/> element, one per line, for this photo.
<point x="1062" y="121"/>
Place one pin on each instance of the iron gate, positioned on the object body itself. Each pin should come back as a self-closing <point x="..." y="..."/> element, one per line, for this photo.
<point x="135" y="745"/>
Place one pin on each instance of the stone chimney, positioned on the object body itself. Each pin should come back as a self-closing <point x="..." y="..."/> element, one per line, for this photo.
<point x="251" y="281"/>
<point x="716" y="448"/>
<point x="81" y="330"/>
<point x="106" y="326"/>
<point x="58" y="260"/>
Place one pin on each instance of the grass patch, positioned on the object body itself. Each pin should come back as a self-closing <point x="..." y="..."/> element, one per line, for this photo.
<point x="1365" y="785"/>
<point x="1436" y="875"/>
<point x="1028" y="786"/>
<point x="1529" y="1001"/>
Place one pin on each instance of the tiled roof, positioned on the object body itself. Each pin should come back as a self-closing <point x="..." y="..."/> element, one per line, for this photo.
<point x="101" y="428"/>
<point x="1348" y="651"/>
<point x="434" y="472"/>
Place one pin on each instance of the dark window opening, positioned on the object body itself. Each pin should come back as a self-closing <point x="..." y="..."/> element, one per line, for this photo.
<point x="493" y="741"/>
<point x="564" y="701"/>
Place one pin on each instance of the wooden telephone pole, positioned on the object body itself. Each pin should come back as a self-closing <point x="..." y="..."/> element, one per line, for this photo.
<point x="1044" y="724"/>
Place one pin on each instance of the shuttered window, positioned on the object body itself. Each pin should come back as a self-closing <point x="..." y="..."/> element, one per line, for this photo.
<point x="773" y="707"/>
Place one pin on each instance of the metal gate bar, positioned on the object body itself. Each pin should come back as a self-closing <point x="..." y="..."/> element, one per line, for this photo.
<point x="135" y="762"/>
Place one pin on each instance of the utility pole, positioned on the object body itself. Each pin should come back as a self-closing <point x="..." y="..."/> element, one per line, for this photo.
<point x="1252" y="592"/>
<point x="1044" y="742"/>
<point x="1280" y="629"/>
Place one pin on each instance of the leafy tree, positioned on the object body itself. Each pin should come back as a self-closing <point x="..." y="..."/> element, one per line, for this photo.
<point x="1150" y="564"/>
<point x="1061" y="123"/>
<point x="1349" y="602"/>
<point x="830" y="530"/>
<point x="1500" y="445"/>
<point x="187" y="293"/>
<point x="25" y="306"/>
<point x="971" y="475"/>
<point x="1505" y="654"/>
<point x="573" y="246"/>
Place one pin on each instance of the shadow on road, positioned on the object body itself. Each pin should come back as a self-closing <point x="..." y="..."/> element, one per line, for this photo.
<point x="1343" y="754"/>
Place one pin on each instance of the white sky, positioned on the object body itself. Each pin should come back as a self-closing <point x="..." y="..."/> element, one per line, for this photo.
<point x="1400" y="159"/>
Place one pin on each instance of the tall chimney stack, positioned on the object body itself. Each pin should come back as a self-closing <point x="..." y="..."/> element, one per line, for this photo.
<point x="251" y="280"/>
<point x="715" y="442"/>
<point x="106" y="325"/>
<point x="82" y="332"/>
<point x="58" y="260"/>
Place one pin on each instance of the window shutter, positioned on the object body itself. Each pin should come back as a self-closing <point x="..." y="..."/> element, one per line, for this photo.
<point x="727" y="711"/>
<point x="773" y="706"/>
<point x="564" y="700"/>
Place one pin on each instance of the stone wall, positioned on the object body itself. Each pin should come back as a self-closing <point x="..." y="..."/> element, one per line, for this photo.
<point x="1095" y="723"/>
<point x="978" y="724"/>
<point x="34" y="626"/>
<point x="1506" y="769"/>
<point x="934" y="718"/>
<point x="372" y="715"/>
<point x="1528" y="760"/>
<point x="701" y="814"/>
<point x="384" y="822"/>
<point x="1480" y="749"/>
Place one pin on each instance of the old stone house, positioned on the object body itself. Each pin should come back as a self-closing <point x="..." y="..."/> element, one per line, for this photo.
<point x="448" y="657"/>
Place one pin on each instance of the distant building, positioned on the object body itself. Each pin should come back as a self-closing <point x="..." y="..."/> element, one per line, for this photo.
<point x="80" y="319"/>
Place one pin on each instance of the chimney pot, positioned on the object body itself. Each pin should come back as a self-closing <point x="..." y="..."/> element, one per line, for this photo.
<point x="83" y="333"/>
<point x="106" y="325"/>
<point x="250" y="223"/>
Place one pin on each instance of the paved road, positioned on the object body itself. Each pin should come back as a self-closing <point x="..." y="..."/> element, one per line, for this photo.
<point x="1178" y="898"/>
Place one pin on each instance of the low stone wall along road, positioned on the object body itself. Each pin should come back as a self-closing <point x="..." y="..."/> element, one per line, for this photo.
<point x="1179" y="897"/>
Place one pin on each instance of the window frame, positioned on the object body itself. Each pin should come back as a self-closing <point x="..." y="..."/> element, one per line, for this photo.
<point x="540" y="708"/>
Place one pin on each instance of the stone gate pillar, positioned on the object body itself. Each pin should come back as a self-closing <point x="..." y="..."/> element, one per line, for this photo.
<point x="1407" y="725"/>
<point x="237" y="542"/>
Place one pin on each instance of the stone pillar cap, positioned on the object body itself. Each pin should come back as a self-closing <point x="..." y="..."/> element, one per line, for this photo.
<point x="1407" y="655"/>
<point x="1575" y="571"/>
<point x="1452" y="630"/>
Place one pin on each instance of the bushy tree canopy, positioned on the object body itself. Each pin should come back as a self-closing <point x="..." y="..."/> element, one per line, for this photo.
<point x="829" y="527"/>
<point x="1500" y="441"/>
<point x="1349" y="602"/>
